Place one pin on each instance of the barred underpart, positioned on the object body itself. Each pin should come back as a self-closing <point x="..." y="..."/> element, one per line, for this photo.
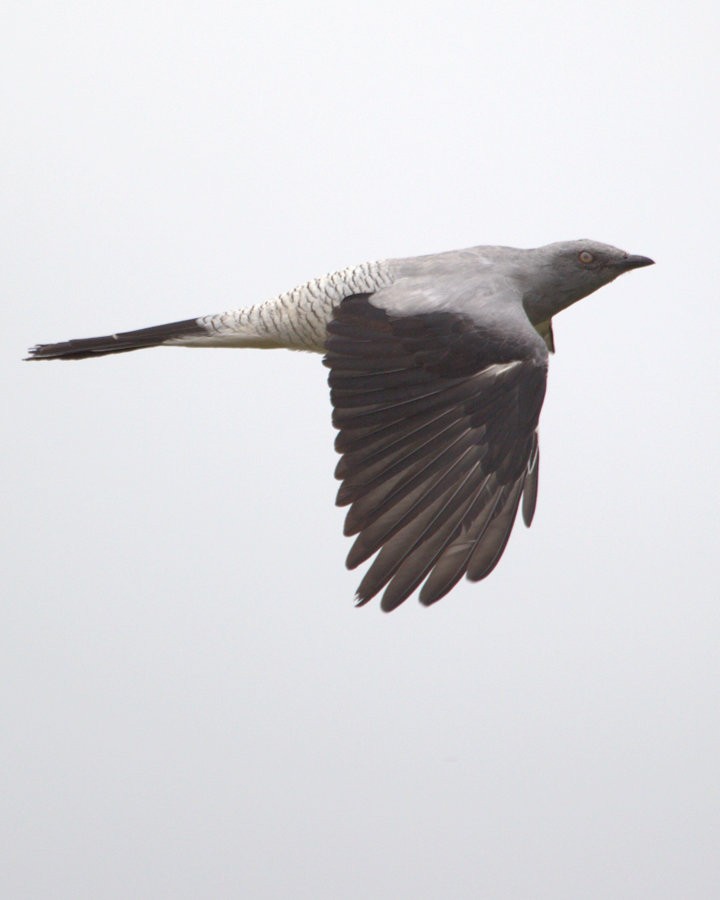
<point x="298" y="318"/>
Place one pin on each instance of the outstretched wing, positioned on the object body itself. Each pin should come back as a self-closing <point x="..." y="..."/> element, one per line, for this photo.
<point x="437" y="418"/>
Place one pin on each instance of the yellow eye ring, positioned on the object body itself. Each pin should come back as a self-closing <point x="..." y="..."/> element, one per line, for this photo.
<point x="585" y="256"/>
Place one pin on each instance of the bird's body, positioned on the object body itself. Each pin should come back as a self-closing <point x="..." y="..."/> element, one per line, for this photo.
<point x="437" y="374"/>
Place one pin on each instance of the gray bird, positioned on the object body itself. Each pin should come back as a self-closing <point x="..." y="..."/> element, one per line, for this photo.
<point x="438" y="366"/>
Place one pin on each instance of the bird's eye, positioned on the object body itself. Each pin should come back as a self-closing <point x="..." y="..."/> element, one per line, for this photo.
<point x="585" y="256"/>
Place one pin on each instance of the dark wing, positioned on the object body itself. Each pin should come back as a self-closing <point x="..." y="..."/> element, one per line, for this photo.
<point x="437" y="420"/>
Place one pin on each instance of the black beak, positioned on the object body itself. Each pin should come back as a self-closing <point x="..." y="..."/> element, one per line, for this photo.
<point x="635" y="262"/>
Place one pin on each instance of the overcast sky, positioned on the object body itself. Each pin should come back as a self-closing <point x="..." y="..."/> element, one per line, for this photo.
<point x="191" y="706"/>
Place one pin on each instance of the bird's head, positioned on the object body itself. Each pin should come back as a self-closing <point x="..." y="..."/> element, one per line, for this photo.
<point x="559" y="275"/>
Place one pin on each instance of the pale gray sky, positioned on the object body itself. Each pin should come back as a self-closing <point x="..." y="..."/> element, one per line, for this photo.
<point x="191" y="705"/>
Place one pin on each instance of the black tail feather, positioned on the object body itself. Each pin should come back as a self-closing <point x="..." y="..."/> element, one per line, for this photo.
<point x="83" y="348"/>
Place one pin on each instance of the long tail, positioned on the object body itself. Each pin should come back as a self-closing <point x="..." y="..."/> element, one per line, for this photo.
<point x="118" y="343"/>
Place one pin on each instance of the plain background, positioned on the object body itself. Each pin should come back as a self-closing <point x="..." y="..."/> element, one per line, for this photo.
<point x="191" y="706"/>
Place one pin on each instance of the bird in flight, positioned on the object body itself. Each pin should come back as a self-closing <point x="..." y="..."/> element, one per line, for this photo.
<point x="438" y="366"/>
